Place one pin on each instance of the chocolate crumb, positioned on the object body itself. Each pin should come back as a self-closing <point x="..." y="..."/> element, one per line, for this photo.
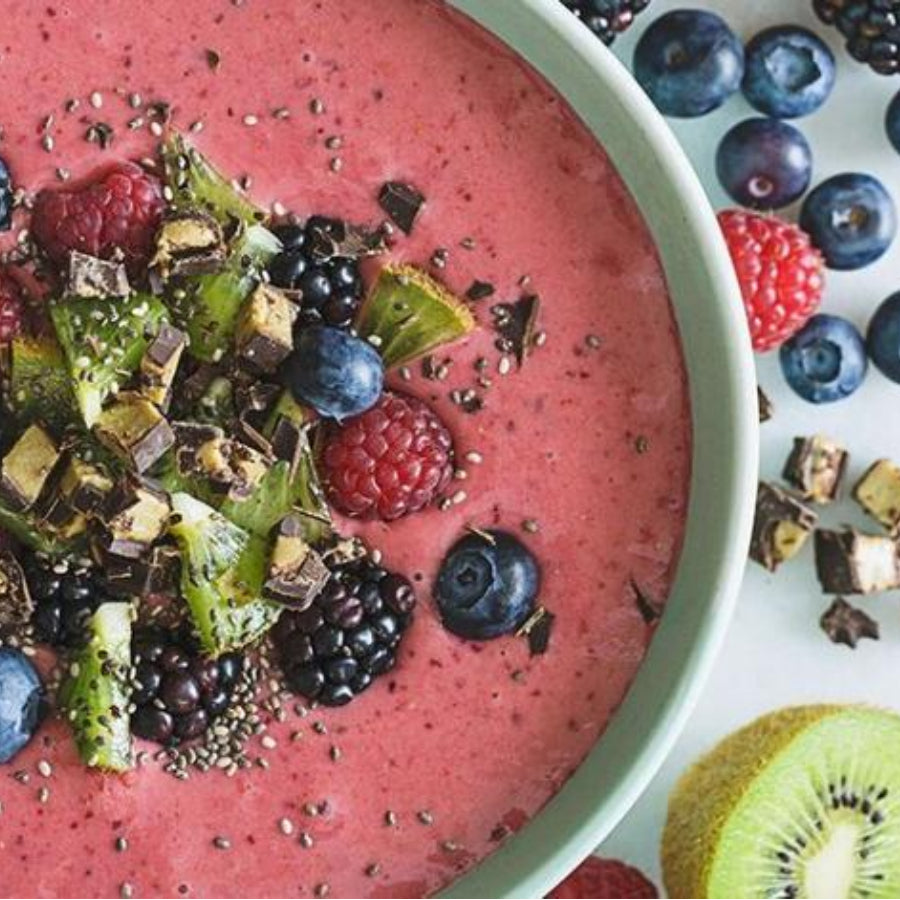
<point x="845" y="624"/>
<point x="642" y="444"/>
<point x="213" y="60"/>
<point x="649" y="607"/>
<point x="402" y="203"/>
<point x="538" y="635"/>
<point x="514" y="323"/>
<point x="766" y="410"/>
<point x="480" y="290"/>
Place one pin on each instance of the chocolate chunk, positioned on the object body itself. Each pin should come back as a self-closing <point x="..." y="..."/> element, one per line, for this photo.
<point x="297" y="573"/>
<point x="265" y="329"/>
<point x="539" y="634"/>
<point x="402" y="202"/>
<point x="329" y="239"/>
<point x="816" y="468"/>
<point x="135" y="430"/>
<point x="515" y="323"/>
<point x="289" y="443"/>
<point x="189" y="242"/>
<point x="766" y="410"/>
<point x="83" y="486"/>
<point x="135" y="515"/>
<point x="878" y="493"/>
<point x="781" y="527"/>
<point x="649" y="607"/>
<point x="198" y="382"/>
<point x="480" y="290"/>
<point x="849" y="562"/>
<point x="27" y="467"/>
<point x="93" y="278"/>
<point x="159" y="365"/>
<point x="16" y="605"/>
<point x="154" y="573"/>
<point x="845" y="624"/>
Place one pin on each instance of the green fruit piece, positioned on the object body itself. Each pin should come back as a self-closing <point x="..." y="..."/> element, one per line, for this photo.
<point x="39" y="387"/>
<point x="410" y="314"/>
<point x="222" y="574"/>
<point x="804" y="802"/>
<point x="195" y="184"/>
<point x="103" y="342"/>
<point x="208" y="306"/>
<point x="27" y="530"/>
<point x="286" y="407"/>
<point x="97" y="690"/>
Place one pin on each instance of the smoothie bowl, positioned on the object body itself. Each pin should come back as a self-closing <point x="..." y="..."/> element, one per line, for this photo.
<point x="361" y="428"/>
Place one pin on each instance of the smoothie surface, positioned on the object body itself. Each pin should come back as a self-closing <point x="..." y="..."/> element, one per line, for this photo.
<point x="587" y="444"/>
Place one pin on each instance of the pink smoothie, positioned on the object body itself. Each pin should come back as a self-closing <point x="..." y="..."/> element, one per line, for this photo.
<point x="464" y="742"/>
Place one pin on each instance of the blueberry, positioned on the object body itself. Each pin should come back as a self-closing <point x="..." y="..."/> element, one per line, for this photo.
<point x="22" y="702"/>
<point x="764" y="163"/>
<point x="287" y="268"/>
<point x="892" y="122"/>
<point x="689" y="62"/>
<point x="337" y="374"/>
<point x="883" y="337"/>
<point x="851" y="218"/>
<point x="824" y="361"/>
<point x="292" y="237"/>
<point x="788" y="72"/>
<point x="6" y="197"/>
<point x="487" y="586"/>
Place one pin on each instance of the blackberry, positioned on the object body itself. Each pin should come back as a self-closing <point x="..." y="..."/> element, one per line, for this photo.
<point x="65" y="595"/>
<point x="871" y="29"/>
<point x="329" y="288"/>
<point x="606" y="18"/>
<point x="349" y="636"/>
<point x="178" y="693"/>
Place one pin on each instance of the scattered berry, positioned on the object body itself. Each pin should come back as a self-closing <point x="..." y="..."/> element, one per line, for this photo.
<point x="883" y="338"/>
<point x="178" y="693"/>
<point x="335" y="373"/>
<point x="597" y="877"/>
<point x="487" y="585"/>
<point x="330" y="292"/>
<point x="851" y="218"/>
<point x="788" y="72"/>
<point x="892" y="122"/>
<point x="607" y="18"/>
<point x="764" y="163"/>
<point x="118" y="210"/>
<point x="12" y="308"/>
<point x="871" y="28"/>
<point x="826" y="360"/>
<point x="65" y="595"/>
<point x="779" y="271"/>
<point x="22" y="702"/>
<point x="390" y="461"/>
<point x="332" y="652"/>
<point x="6" y="197"/>
<point x="689" y="62"/>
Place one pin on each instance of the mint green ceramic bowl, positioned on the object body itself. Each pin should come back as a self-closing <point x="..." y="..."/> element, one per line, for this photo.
<point x="723" y="394"/>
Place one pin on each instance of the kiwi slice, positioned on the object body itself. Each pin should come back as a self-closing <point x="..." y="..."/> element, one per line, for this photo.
<point x="409" y="314"/>
<point x="804" y="802"/>
<point x="96" y="692"/>
<point x="38" y="386"/>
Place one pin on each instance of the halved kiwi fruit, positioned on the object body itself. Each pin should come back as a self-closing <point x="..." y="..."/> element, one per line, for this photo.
<point x="804" y="802"/>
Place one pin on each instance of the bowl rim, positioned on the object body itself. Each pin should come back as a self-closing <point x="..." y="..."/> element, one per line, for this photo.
<point x="721" y="374"/>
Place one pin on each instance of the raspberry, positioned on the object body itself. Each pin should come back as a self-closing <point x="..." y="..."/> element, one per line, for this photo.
<point x="781" y="274"/>
<point x="119" y="209"/>
<point x="597" y="877"/>
<point x="392" y="460"/>
<point x="12" y="309"/>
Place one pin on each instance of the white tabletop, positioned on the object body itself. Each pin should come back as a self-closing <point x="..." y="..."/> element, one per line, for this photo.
<point x="775" y="654"/>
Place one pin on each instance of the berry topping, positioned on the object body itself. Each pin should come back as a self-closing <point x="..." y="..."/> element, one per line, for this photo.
<point x="825" y="361"/>
<point x="764" y="163"/>
<point x="21" y="702"/>
<point x="65" y="594"/>
<point x="689" y="62"/>
<point x="851" y="218"/>
<point x="870" y="27"/>
<point x="6" y="197"/>
<point x="607" y="18"/>
<point x="178" y="693"/>
<point x="789" y="72"/>
<point x="390" y="461"/>
<point x="883" y="338"/>
<point x="779" y="271"/>
<point x="335" y="373"/>
<point x="348" y="637"/>
<point x="487" y="585"/>
<point x="597" y="877"/>
<point x="892" y="122"/>
<point x="329" y="290"/>
<point x="12" y="308"/>
<point x="117" y="210"/>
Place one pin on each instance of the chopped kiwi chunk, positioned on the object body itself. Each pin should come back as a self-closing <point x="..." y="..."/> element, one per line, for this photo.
<point x="38" y="386"/>
<point x="286" y="407"/>
<point x="30" y="531"/>
<point x="97" y="690"/>
<point x="222" y="575"/>
<point x="104" y="342"/>
<point x="196" y="185"/>
<point x="409" y="314"/>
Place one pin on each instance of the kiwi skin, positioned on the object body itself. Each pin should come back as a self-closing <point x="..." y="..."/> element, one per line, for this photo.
<point x="707" y="793"/>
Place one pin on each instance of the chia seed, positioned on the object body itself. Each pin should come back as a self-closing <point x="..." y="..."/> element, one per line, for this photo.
<point x="531" y="526"/>
<point x="390" y="818"/>
<point x="121" y="844"/>
<point x="96" y="99"/>
<point x="286" y="826"/>
<point x="306" y="840"/>
<point x="425" y="817"/>
<point x="126" y="890"/>
<point x="221" y="843"/>
<point x="372" y="870"/>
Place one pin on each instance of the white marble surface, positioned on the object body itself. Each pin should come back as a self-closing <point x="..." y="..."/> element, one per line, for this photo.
<point x="775" y="654"/>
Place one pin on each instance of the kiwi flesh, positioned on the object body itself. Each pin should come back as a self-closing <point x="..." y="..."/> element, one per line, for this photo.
<point x="804" y="802"/>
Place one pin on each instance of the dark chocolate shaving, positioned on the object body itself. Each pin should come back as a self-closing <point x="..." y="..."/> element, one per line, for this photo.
<point x="845" y="624"/>
<point x="480" y="290"/>
<point x="402" y="202"/>
<point x="539" y="634"/>
<point x="766" y="410"/>
<point x="344" y="240"/>
<point x="649" y="607"/>
<point x="515" y="324"/>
